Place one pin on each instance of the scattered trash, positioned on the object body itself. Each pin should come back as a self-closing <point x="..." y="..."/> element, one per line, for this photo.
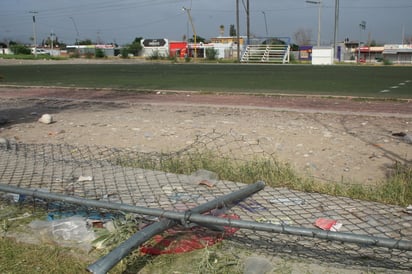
<point x="61" y="210"/>
<point x="257" y="265"/>
<point x="108" y="195"/>
<point x="24" y="216"/>
<point x="284" y="220"/>
<point x="206" y="183"/>
<point x="46" y="119"/>
<point x="251" y="205"/>
<point x="17" y="198"/>
<point x="53" y="133"/>
<point x="85" y="179"/>
<point x="180" y="239"/>
<point x="72" y="231"/>
<point x="205" y="174"/>
<point x="328" y="224"/>
<point x="288" y="201"/>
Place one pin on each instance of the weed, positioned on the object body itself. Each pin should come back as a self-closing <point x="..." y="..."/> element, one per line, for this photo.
<point x="23" y="258"/>
<point x="397" y="189"/>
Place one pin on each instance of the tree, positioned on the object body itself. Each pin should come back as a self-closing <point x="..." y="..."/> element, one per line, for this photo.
<point x="99" y="53"/>
<point x="19" y="49"/>
<point x="232" y="31"/>
<point x="222" y="30"/>
<point x="211" y="54"/>
<point x="85" y="42"/>
<point x="303" y="36"/>
<point x="294" y="47"/>
<point x="199" y="39"/>
<point x="274" y="41"/>
<point x="135" y="47"/>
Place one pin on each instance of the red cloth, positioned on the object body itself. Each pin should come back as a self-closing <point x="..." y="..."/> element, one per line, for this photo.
<point x="182" y="240"/>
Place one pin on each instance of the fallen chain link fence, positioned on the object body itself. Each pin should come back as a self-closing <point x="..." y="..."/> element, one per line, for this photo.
<point x="182" y="180"/>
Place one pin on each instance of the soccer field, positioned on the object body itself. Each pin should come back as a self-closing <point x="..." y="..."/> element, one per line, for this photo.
<point x="339" y="80"/>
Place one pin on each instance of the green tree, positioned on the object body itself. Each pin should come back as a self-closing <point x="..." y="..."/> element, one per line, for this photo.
<point x="17" y="48"/>
<point x="199" y="39"/>
<point x="85" y="42"/>
<point x="100" y="53"/>
<point x="294" y="47"/>
<point x="135" y="47"/>
<point x="232" y="30"/>
<point x="222" y="30"/>
<point x="124" y="52"/>
<point x="274" y="41"/>
<point x="211" y="54"/>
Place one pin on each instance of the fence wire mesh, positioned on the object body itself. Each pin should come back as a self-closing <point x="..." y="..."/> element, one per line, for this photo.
<point x="182" y="180"/>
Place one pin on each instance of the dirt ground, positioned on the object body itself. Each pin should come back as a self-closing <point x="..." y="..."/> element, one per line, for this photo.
<point x="332" y="139"/>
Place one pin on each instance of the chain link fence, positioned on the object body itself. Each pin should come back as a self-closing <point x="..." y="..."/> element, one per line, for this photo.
<point x="215" y="164"/>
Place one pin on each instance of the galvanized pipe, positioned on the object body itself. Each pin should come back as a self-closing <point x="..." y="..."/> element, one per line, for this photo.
<point x="204" y="219"/>
<point x="306" y="232"/>
<point x="108" y="261"/>
<point x="216" y="203"/>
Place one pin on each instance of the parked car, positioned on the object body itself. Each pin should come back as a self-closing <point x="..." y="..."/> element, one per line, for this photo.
<point x="40" y="51"/>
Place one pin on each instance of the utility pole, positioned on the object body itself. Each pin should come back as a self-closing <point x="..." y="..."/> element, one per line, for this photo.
<point x="335" y="34"/>
<point x="248" y="21"/>
<point x="237" y="30"/>
<point x="266" y="23"/>
<point x="193" y="28"/>
<point x="319" y="3"/>
<point x="51" y="42"/>
<point x="76" y="29"/>
<point x="34" y="32"/>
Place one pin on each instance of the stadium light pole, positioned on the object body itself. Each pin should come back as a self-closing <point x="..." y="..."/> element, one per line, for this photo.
<point x="266" y="23"/>
<point x="34" y="32"/>
<point x="193" y="28"/>
<point x="362" y="27"/>
<point x="319" y="3"/>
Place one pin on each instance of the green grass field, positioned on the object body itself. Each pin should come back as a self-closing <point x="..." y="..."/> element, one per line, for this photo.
<point x="339" y="80"/>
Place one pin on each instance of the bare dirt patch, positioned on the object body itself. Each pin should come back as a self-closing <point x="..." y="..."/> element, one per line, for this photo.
<point x="336" y="139"/>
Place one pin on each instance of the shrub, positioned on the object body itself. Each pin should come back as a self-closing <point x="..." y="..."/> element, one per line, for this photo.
<point x="155" y="55"/>
<point x="100" y="53"/>
<point x="211" y="54"/>
<point x="20" y="49"/>
<point x="124" y="53"/>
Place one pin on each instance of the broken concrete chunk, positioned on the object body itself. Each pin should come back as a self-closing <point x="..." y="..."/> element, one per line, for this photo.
<point x="46" y="119"/>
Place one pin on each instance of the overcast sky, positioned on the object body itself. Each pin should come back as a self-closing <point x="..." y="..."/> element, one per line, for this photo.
<point x="120" y="21"/>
